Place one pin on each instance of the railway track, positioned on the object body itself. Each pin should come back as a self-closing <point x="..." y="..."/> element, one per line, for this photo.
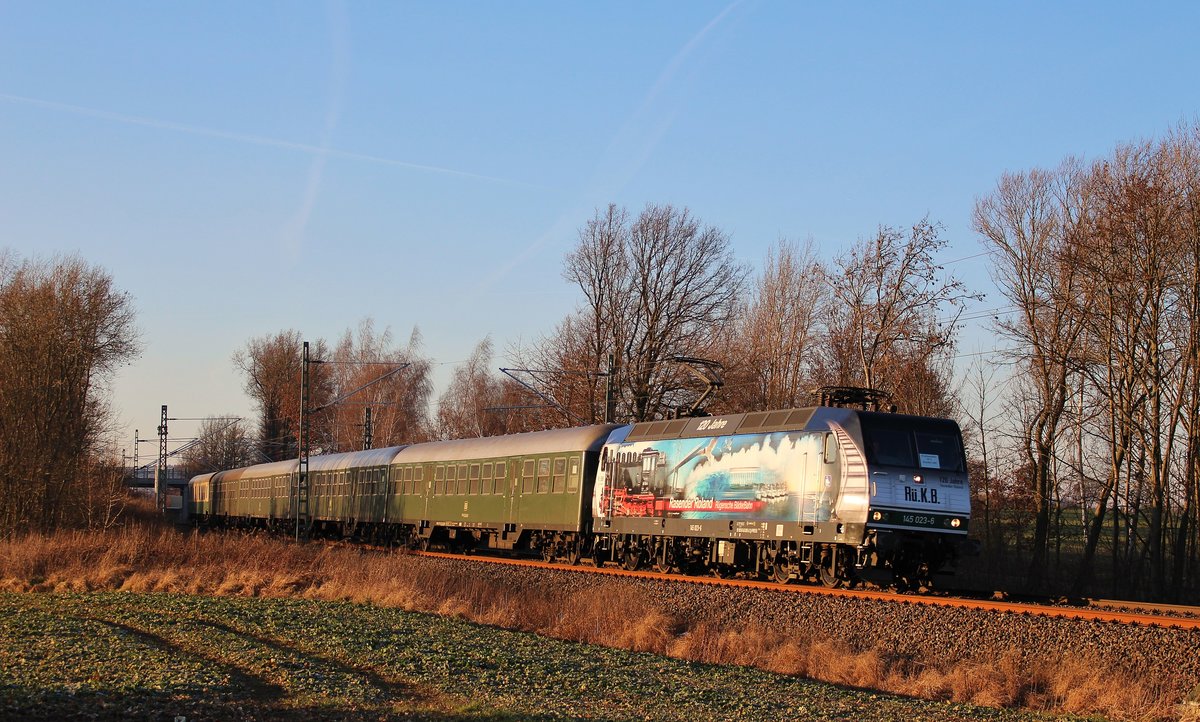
<point x="1166" y="616"/>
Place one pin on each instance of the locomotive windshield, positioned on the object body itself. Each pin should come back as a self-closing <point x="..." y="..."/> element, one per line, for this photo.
<point x="912" y="443"/>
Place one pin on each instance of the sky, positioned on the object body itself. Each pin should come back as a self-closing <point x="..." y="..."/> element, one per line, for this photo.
<point x="242" y="168"/>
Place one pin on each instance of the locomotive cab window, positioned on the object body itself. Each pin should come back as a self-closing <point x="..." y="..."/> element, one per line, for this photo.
<point x="890" y="447"/>
<point x="938" y="451"/>
<point x="932" y="444"/>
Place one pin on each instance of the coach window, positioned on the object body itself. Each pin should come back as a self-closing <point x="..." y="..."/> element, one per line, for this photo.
<point x="527" y="477"/>
<point x="408" y="480"/>
<point x="439" y="480"/>
<point x="487" y="479"/>
<point x="500" y="472"/>
<point x="462" y="479"/>
<point x="474" y="478"/>
<point x="560" y="475"/>
<point x="451" y="479"/>
<point x="543" y="485"/>
<point x="573" y="477"/>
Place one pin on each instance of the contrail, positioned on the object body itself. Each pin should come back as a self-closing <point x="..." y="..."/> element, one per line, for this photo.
<point x="294" y="231"/>
<point x="677" y="61"/>
<point x="250" y="139"/>
<point x="637" y="153"/>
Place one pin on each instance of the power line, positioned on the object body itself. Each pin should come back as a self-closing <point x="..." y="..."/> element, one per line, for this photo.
<point x="965" y="258"/>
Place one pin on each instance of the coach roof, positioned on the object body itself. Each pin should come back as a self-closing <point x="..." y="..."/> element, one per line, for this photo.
<point x="356" y="459"/>
<point x="580" y="438"/>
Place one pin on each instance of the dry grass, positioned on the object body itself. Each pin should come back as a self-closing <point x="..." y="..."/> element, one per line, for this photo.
<point x="150" y="558"/>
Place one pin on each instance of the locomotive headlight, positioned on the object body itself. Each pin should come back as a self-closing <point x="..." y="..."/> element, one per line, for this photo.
<point x="918" y="479"/>
<point x="877" y="516"/>
<point x="955" y="523"/>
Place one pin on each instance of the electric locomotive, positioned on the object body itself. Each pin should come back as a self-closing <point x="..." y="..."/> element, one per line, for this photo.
<point x="833" y="493"/>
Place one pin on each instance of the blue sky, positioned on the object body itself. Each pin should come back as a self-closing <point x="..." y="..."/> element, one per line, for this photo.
<point x="247" y="167"/>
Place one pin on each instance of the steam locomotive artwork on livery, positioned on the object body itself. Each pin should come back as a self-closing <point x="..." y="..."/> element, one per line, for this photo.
<point x="829" y="493"/>
<point x="720" y="477"/>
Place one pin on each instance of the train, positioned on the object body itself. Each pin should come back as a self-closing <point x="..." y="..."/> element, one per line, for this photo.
<point x="832" y="494"/>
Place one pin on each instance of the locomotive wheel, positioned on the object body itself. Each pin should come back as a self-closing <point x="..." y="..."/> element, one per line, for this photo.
<point x="781" y="569"/>
<point x="632" y="559"/>
<point x="548" y="552"/>
<point x="575" y="553"/>
<point x="665" y="562"/>
<point x="828" y="572"/>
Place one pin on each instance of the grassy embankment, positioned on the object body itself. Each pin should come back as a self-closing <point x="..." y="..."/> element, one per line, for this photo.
<point x="142" y="559"/>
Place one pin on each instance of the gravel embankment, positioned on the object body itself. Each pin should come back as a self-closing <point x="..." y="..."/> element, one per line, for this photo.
<point x="920" y="631"/>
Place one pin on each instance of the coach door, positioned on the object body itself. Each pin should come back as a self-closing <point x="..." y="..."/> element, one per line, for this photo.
<point x="513" y="491"/>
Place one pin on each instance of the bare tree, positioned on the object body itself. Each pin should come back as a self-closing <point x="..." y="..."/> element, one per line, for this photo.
<point x="884" y="325"/>
<point x="474" y="404"/>
<point x="221" y="443"/>
<point x="272" y="366"/>
<point x="774" y="349"/>
<point x="1027" y="223"/>
<point x="661" y="285"/>
<point x="64" y="329"/>
<point x="369" y="372"/>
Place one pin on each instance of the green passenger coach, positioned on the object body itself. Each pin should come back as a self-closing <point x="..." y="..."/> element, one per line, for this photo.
<point x="512" y="492"/>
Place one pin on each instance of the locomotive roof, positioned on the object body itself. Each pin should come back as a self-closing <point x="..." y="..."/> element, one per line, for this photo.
<point x="812" y="418"/>
<point x="580" y="438"/>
